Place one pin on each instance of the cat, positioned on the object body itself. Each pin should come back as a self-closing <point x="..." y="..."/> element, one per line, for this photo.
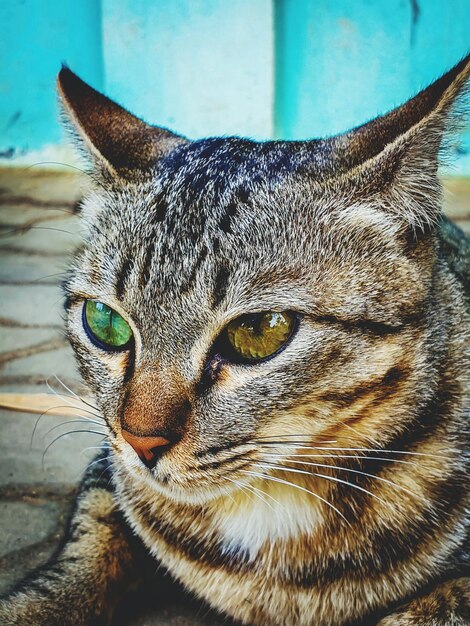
<point x="277" y="335"/>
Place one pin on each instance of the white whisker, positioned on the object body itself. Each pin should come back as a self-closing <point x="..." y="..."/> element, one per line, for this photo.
<point x="243" y="488"/>
<point x="51" y="408"/>
<point x="346" y="469"/>
<point x="77" y="421"/>
<point x="61" y="382"/>
<point x="337" y="480"/>
<point x="64" y="435"/>
<point x="382" y="450"/>
<point x="342" y="456"/>
<point x="64" y="398"/>
<point x="289" y="484"/>
<point x="95" y="462"/>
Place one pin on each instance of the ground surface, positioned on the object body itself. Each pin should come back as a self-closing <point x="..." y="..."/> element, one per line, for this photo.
<point x="38" y="232"/>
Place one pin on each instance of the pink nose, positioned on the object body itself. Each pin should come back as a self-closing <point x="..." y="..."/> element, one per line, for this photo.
<point x="147" y="448"/>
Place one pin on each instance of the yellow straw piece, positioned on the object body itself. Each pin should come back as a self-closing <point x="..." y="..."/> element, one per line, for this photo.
<point x="51" y="404"/>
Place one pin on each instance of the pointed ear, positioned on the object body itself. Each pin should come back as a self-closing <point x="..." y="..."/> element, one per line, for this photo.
<point x="116" y="139"/>
<point x="396" y="156"/>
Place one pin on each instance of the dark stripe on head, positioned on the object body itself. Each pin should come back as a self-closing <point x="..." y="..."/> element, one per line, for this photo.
<point x="385" y="387"/>
<point x="147" y="263"/>
<point x="157" y="208"/>
<point x="220" y="286"/>
<point x="243" y="194"/>
<point x="94" y="274"/>
<point x="195" y="269"/>
<point x="123" y="277"/>
<point x="225" y="223"/>
<point x="379" y="329"/>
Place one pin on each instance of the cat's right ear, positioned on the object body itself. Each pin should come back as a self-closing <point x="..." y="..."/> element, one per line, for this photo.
<point x="118" y="141"/>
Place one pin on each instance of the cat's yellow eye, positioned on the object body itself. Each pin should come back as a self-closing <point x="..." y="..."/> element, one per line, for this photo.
<point x="260" y="335"/>
<point x="105" y="327"/>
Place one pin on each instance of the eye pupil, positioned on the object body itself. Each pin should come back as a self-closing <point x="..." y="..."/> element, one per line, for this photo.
<point x="258" y="336"/>
<point x="105" y="327"/>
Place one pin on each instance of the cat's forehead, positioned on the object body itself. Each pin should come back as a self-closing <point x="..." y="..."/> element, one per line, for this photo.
<point x="223" y="159"/>
<point x="247" y="207"/>
<point x="214" y="199"/>
<point x="204" y="218"/>
<point x="226" y="226"/>
<point x="226" y="184"/>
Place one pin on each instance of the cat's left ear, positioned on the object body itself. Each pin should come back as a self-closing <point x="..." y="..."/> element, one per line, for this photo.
<point x="394" y="158"/>
<point x="117" y="141"/>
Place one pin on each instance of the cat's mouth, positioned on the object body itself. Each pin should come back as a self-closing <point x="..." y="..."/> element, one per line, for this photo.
<point x="176" y="486"/>
<point x="175" y="471"/>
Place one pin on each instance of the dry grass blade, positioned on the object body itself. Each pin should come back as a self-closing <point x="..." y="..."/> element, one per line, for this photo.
<point x="41" y="403"/>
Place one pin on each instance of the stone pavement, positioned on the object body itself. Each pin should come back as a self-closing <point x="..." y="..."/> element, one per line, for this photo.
<point x="39" y="229"/>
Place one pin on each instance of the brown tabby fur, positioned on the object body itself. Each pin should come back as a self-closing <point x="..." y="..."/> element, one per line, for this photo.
<point x="326" y="486"/>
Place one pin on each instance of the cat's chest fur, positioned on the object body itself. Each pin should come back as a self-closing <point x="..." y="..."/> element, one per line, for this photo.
<point x="248" y="560"/>
<point x="238" y="557"/>
<point x="259" y="523"/>
<point x="243" y="527"/>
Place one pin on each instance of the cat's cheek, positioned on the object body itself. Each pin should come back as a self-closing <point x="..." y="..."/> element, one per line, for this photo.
<point x="116" y="364"/>
<point x="232" y="378"/>
<point x="102" y="370"/>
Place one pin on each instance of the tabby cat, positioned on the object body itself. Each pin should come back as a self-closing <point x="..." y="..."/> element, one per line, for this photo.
<point x="277" y="335"/>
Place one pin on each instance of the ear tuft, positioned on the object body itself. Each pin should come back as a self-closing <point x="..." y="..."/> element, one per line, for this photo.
<point x="118" y="140"/>
<point x="395" y="157"/>
<point x="430" y="110"/>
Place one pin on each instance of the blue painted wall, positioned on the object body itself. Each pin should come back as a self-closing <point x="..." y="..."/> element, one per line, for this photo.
<point x="203" y="67"/>
<point x="343" y="62"/>
<point x="262" y="68"/>
<point x="37" y="36"/>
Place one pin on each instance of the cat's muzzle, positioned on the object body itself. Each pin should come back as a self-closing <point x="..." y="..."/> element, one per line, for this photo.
<point x="148" y="449"/>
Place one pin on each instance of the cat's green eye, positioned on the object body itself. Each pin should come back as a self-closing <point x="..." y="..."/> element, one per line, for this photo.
<point x="260" y="335"/>
<point x="106" y="328"/>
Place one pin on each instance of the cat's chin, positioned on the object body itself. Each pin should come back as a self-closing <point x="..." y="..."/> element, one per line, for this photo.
<point x="197" y="496"/>
<point x="190" y="494"/>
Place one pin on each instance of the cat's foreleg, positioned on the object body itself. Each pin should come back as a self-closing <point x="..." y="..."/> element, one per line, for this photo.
<point x="448" y="604"/>
<point x="83" y="581"/>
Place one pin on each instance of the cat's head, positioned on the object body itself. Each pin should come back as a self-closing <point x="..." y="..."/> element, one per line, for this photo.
<point x="235" y="300"/>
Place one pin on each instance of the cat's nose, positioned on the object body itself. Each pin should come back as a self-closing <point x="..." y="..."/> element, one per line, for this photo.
<point x="148" y="449"/>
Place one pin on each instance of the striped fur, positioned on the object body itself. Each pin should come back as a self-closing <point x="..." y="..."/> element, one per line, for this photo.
<point x="327" y="485"/>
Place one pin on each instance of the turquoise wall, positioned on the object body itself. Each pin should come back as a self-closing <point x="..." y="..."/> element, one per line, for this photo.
<point x="262" y="68"/>
<point x="203" y="67"/>
<point x="36" y="37"/>
<point x="342" y="62"/>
